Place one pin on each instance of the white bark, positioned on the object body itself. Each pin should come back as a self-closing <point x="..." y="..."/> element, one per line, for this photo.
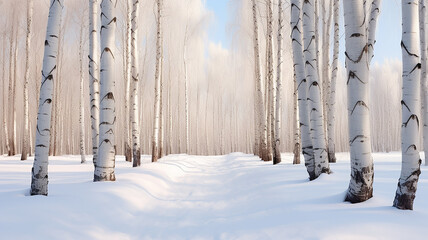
<point x="6" y="133"/>
<point x="11" y="96"/>
<point x="302" y="87"/>
<point x="186" y="92"/>
<point x="82" y="99"/>
<point x="374" y="14"/>
<point x="135" y="86"/>
<point x="410" y="144"/>
<point x="94" y="73"/>
<point x="270" y="84"/>
<point x="128" y="64"/>
<point x="325" y="79"/>
<point x="261" y="116"/>
<point x="331" y="146"/>
<point x="25" y="146"/>
<point x="424" y="86"/>
<point x="157" y="107"/>
<point x="357" y="62"/>
<point x="277" y="154"/>
<point x="296" y="124"/>
<point x="104" y="166"/>
<point x="314" y="91"/>
<point x="39" y="181"/>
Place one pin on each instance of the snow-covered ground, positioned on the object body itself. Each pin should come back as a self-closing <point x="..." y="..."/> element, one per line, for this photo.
<point x="215" y="197"/>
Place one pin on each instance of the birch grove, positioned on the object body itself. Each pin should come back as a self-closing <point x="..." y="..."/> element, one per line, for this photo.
<point x="104" y="166"/>
<point x="411" y="107"/>
<point x="274" y="88"/>
<point x="39" y="180"/>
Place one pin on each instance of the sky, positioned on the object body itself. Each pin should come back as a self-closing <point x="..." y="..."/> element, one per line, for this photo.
<point x="388" y="29"/>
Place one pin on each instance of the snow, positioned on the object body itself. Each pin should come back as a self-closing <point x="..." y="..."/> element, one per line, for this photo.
<point x="205" y="197"/>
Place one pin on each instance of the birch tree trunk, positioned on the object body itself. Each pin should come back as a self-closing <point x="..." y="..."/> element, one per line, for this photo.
<point x="186" y="91"/>
<point x="374" y="14"/>
<point x="302" y="87"/>
<point x="157" y="107"/>
<point x="326" y="83"/>
<point x="270" y="84"/>
<point x="128" y="135"/>
<point x="161" y="122"/>
<point x="410" y="144"/>
<point x="94" y="73"/>
<point x="277" y="155"/>
<point x="6" y="133"/>
<point x="332" y="92"/>
<point x="104" y="167"/>
<point x="424" y="86"/>
<point x="314" y="92"/>
<point x="15" y="81"/>
<point x="136" y="153"/>
<point x="11" y="96"/>
<point x="39" y="180"/>
<point x="82" y="99"/>
<point x="261" y="128"/>
<point x="25" y="146"/>
<point x="296" y="124"/>
<point x="357" y="62"/>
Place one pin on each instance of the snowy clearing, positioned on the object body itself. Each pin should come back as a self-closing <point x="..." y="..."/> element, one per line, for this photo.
<point x="216" y="197"/>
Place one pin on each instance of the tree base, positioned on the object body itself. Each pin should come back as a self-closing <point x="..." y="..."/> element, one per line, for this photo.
<point x="110" y="177"/>
<point x="352" y="198"/>
<point x="128" y="153"/>
<point x="39" y="184"/>
<point x="331" y="157"/>
<point x="403" y="201"/>
<point x="137" y="159"/>
<point x="296" y="159"/>
<point x="276" y="160"/>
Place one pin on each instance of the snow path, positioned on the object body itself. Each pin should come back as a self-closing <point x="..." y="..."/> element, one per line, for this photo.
<point x="197" y="197"/>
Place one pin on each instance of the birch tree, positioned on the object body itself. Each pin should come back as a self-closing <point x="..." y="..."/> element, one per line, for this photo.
<point x="186" y="91"/>
<point x="82" y="99"/>
<point x="261" y="116"/>
<point x="128" y="65"/>
<point x="277" y="154"/>
<point x="331" y="146"/>
<point x="302" y="86"/>
<point x="94" y="73"/>
<point x="314" y="92"/>
<point x="11" y="95"/>
<point x="5" y="128"/>
<point x="424" y="86"/>
<point x="270" y="85"/>
<point x="104" y="166"/>
<point x="410" y="144"/>
<point x="25" y="146"/>
<point x="157" y="107"/>
<point x="357" y="63"/>
<point x="39" y="180"/>
<point x="135" y="86"/>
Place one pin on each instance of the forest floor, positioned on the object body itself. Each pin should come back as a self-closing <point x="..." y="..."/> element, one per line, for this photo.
<point x="236" y="196"/>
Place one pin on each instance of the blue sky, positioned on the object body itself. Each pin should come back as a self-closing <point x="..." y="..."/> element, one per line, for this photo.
<point x="217" y="31"/>
<point x="388" y="29"/>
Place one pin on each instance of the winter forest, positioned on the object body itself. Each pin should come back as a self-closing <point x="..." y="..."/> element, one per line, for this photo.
<point x="126" y="119"/>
